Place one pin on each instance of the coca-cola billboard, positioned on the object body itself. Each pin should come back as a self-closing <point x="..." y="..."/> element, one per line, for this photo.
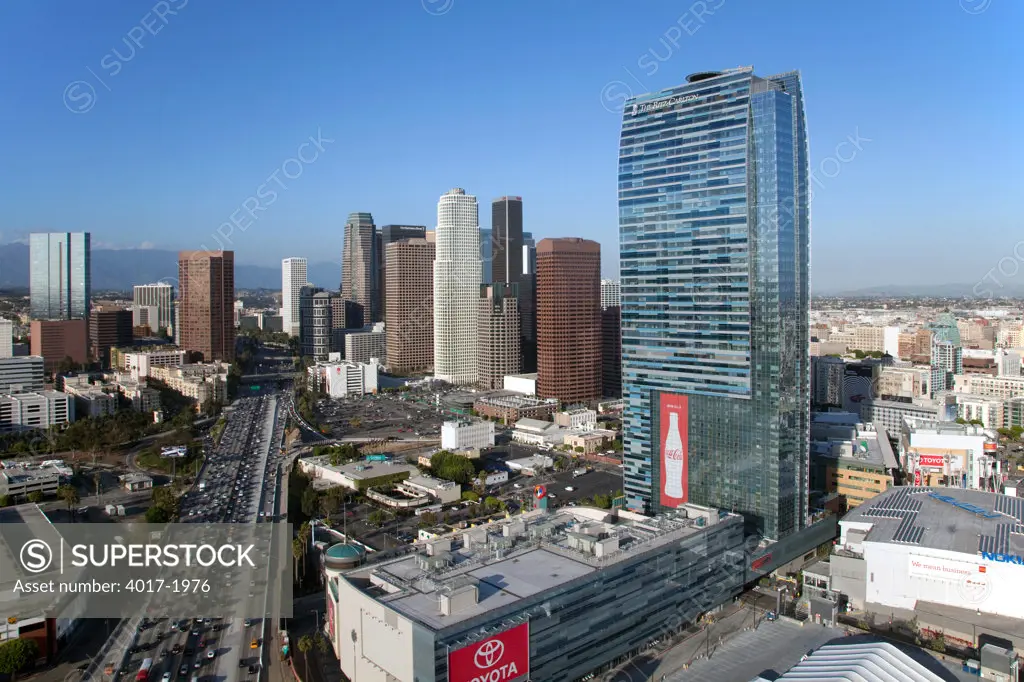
<point x="673" y="444"/>
<point x="502" y="658"/>
<point x="930" y="461"/>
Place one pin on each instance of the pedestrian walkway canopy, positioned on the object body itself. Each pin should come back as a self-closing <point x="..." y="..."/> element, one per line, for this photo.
<point x="861" y="661"/>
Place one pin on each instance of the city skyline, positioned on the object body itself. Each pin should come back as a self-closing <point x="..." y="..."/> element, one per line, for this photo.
<point x="883" y="192"/>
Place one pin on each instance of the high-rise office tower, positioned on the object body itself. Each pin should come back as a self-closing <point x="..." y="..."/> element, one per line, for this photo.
<point x="409" y="318"/>
<point x="569" y="320"/>
<point x="293" y="278"/>
<point x="359" y="264"/>
<point x="387" y="235"/>
<point x="206" y="297"/>
<point x="6" y="339"/>
<point x="611" y="352"/>
<point x="316" y="326"/>
<point x="507" y="239"/>
<point x="498" y="338"/>
<point x="528" y="305"/>
<point x="714" y="224"/>
<point x="486" y="256"/>
<point x="456" y="287"/>
<point x="160" y="296"/>
<point x="610" y="293"/>
<point x="109" y="329"/>
<point x="60" y="275"/>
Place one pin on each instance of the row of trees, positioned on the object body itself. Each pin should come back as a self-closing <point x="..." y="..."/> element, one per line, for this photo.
<point x="451" y="467"/>
<point x="165" y="507"/>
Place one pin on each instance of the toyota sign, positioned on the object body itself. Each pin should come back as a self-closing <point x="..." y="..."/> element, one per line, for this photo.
<point x="502" y="658"/>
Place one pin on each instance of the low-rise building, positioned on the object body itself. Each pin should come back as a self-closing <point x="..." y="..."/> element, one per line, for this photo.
<point x="360" y="475"/>
<point x="978" y="408"/>
<point x="537" y="432"/>
<point x="889" y="414"/>
<point x="511" y="408"/>
<point x="525" y="384"/>
<point x="849" y="458"/>
<point x="582" y="419"/>
<point x="21" y="374"/>
<point x="91" y="400"/>
<point x="463" y="434"/>
<point x="36" y="410"/>
<point x="18" y="481"/>
<point x="1003" y="388"/>
<point x="136" y="481"/>
<point x="342" y="379"/>
<point x="530" y="466"/>
<point x="444" y="492"/>
<point x="947" y="454"/>
<point x="140" y="363"/>
<point x="526" y="588"/>
<point x="589" y="442"/>
<point x="202" y="382"/>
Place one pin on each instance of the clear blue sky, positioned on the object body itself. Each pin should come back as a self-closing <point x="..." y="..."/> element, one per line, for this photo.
<point x="498" y="98"/>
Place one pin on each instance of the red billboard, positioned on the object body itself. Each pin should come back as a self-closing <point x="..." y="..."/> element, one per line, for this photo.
<point x="502" y="658"/>
<point x="673" y="442"/>
<point x="930" y="460"/>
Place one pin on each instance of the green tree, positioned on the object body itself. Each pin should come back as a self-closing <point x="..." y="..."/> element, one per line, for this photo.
<point x="69" y="495"/>
<point x="377" y="518"/>
<point x="298" y="553"/>
<point x="452" y="467"/>
<point x="470" y="496"/>
<point x="5" y="500"/>
<point x="157" y="515"/>
<point x="35" y="497"/>
<point x="305" y="646"/>
<point x="17" y="654"/>
<point x="310" y="502"/>
<point x="493" y="504"/>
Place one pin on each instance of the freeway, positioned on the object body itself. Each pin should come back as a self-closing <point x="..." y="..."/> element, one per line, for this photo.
<point x="238" y="484"/>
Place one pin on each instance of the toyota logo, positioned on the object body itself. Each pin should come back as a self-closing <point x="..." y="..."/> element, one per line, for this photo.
<point x="489" y="653"/>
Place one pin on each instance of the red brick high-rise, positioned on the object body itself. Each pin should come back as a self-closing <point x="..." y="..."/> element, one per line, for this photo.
<point x="569" y="320"/>
<point x="206" y="297"/>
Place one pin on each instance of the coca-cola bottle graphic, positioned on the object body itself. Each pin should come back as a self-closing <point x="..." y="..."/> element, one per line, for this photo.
<point x="673" y="453"/>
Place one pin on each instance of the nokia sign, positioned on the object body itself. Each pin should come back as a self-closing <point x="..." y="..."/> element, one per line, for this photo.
<point x="1003" y="558"/>
<point x="978" y="511"/>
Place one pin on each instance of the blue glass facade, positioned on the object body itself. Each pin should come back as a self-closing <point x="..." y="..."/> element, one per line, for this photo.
<point x="714" y="250"/>
<point x="60" y="275"/>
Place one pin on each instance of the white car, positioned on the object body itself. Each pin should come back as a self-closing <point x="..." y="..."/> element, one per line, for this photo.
<point x="569" y="488"/>
<point x="552" y="495"/>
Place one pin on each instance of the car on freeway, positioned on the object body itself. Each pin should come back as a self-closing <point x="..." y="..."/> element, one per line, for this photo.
<point x="166" y="677"/>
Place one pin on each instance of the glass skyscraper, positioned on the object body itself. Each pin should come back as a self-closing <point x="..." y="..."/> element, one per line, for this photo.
<point x="714" y="236"/>
<point x="60" y="275"/>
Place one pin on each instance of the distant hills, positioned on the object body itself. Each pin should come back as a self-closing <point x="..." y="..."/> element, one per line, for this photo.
<point x="123" y="268"/>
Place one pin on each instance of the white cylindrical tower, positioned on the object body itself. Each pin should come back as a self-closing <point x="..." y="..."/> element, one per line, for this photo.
<point x="457" y="271"/>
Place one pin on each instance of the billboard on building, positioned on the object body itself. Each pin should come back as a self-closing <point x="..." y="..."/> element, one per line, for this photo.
<point x="330" y="617"/>
<point x="942" y="569"/>
<point x="931" y="460"/>
<point x="501" y="658"/>
<point x="673" y="444"/>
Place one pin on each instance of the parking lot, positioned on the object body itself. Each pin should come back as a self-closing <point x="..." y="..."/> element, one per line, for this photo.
<point x="386" y="415"/>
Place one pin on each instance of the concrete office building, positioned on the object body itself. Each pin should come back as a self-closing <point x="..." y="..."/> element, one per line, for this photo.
<point x="60" y="275"/>
<point x="21" y="374"/>
<point x="465" y="434"/>
<point x="389" y="234"/>
<point x="528" y="304"/>
<point x="55" y="340"/>
<point x="293" y="278"/>
<point x="827" y="376"/>
<point x="37" y="410"/>
<point x="569" y="320"/>
<point x="6" y="339"/>
<point x="949" y="454"/>
<point x="344" y="379"/>
<point x="456" y="288"/>
<point x="849" y="458"/>
<point x="715" y="257"/>
<point x="109" y="329"/>
<point x="206" y="287"/>
<point x="367" y="345"/>
<point x="498" y="339"/>
<point x="316" y="331"/>
<point x="610" y="294"/>
<point x="890" y="414"/>
<point x="486" y="256"/>
<point x="359" y="264"/>
<point x="139" y="363"/>
<point x="1007" y="363"/>
<point x="159" y="295"/>
<point x="409" y="316"/>
<point x="579" y="592"/>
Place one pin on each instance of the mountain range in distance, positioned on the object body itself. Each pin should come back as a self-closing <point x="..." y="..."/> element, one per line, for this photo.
<point x="121" y="269"/>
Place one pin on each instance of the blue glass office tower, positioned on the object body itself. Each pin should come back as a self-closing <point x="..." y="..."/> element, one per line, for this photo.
<point x="714" y="236"/>
<point x="60" y="275"/>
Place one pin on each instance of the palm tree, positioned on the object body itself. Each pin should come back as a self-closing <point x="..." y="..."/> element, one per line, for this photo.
<point x="321" y="642"/>
<point x="69" y="495"/>
<point x="96" y="481"/>
<point x="297" y="553"/>
<point x="305" y="644"/>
